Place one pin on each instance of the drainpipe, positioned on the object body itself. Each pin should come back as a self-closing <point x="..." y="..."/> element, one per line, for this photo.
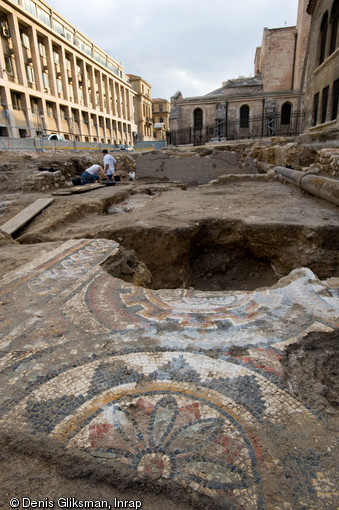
<point x="322" y="187"/>
<point x="226" y="118"/>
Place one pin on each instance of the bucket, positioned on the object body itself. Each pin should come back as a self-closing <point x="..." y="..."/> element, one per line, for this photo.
<point x="117" y="178"/>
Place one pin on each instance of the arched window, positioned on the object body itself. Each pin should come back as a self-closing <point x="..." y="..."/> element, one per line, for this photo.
<point x="323" y="37"/>
<point x="198" y="116"/>
<point x="286" y="113"/>
<point x="244" y="116"/>
<point x="334" y="21"/>
<point x="161" y="120"/>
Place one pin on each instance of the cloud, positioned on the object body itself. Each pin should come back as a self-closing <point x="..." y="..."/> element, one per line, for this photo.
<point x="187" y="45"/>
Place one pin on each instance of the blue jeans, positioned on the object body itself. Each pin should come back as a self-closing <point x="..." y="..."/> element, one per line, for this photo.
<point x="88" y="178"/>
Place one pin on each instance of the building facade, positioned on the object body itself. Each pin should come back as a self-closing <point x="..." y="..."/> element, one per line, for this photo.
<point x="142" y="108"/>
<point x="322" y="88"/>
<point x="267" y="104"/>
<point x="54" y="79"/>
<point x="160" y="111"/>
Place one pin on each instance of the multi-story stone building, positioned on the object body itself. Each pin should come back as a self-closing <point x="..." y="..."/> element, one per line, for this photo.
<point x="161" y="111"/>
<point x="266" y="104"/>
<point x="142" y="107"/>
<point x="54" y="79"/>
<point x="322" y="90"/>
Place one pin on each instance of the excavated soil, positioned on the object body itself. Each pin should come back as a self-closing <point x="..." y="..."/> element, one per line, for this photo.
<point x="312" y="370"/>
<point x="244" y="234"/>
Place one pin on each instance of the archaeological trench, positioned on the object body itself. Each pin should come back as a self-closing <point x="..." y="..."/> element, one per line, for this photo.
<point x="173" y="340"/>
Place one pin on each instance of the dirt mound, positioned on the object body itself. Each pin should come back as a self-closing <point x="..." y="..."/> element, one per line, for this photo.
<point x="20" y="171"/>
<point x="6" y="239"/>
<point x="312" y="370"/>
<point x="125" y="265"/>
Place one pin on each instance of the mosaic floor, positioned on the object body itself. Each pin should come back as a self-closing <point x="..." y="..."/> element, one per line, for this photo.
<point x="175" y="385"/>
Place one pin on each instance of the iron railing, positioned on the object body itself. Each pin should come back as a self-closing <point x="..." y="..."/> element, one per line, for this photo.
<point x="257" y="127"/>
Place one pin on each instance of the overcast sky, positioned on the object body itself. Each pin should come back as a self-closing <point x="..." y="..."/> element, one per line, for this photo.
<point x="187" y="45"/>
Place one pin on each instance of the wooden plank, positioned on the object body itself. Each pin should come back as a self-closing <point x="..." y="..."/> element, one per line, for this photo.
<point x="77" y="189"/>
<point x="26" y="215"/>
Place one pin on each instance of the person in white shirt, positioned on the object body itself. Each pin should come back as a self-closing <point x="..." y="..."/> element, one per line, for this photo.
<point x="92" y="174"/>
<point x="110" y="165"/>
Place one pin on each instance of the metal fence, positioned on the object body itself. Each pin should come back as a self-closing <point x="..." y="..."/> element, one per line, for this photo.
<point x="39" y="144"/>
<point x="257" y="127"/>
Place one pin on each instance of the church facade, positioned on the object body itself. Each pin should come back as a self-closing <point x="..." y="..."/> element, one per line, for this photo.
<point x="269" y="103"/>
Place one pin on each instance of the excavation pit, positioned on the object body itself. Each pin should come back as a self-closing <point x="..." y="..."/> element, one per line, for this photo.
<point x="210" y="269"/>
<point x="216" y="256"/>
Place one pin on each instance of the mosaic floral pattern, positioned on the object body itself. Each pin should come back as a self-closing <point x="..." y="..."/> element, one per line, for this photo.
<point x="177" y="386"/>
<point x="177" y="438"/>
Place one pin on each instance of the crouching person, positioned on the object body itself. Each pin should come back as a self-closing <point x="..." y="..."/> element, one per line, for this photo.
<point x="92" y="174"/>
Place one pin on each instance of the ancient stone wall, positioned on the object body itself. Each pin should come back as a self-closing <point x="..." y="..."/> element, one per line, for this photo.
<point x="328" y="162"/>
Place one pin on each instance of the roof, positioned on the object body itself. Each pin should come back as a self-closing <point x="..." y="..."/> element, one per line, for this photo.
<point x="161" y="100"/>
<point x="134" y="77"/>
<point x="281" y="29"/>
<point x="242" y="81"/>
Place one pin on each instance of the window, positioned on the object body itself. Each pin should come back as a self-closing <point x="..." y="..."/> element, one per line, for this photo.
<point x="25" y="40"/>
<point x="56" y="57"/>
<point x="315" y="109"/>
<point x="335" y="100"/>
<point x="68" y="35"/>
<point x="112" y="68"/>
<point x="62" y="112"/>
<point x="45" y="80"/>
<point x="324" y="104"/>
<point x="59" y="86"/>
<point x="30" y="74"/>
<point x="334" y="21"/>
<point x="42" y="49"/>
<point x="43" y="16"/>
<point x="87" y="49"/>
<point x="244" y="117"/>
<point x="29" y="6"/>
<point x="16" y="101"/>
<point x="161" y="108"/>
<point x="161" y="120"/>
<point x="9" y="66"/>
<point x="323" y="37"/>
<point x="35" y="106"/>
<point x="198" y="118"/>
<point x="49" y="108"/>
<point x="58" y="27"/>
<point x="286" y="113"/>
